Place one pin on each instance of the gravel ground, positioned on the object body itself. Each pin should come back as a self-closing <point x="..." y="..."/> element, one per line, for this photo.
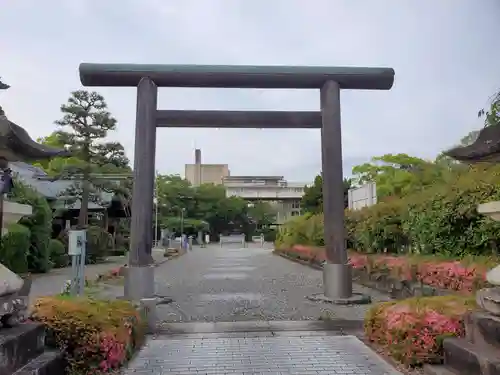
<point x="232" y="284"/>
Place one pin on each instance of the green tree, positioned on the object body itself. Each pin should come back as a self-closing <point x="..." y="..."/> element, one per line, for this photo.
<point x="312" y="200"/>
<point x="262" y="213"/>
<point x="57" y="165"/>
<point x="206" y="203"/>
<point x="84" y="126"/>
<point x="492" y="115"/>
<point x="174" y="194"/>
<point x="399" y="175"/>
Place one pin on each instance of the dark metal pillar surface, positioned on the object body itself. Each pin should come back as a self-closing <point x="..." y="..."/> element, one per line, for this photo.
<point x="141" y="237"/>
<point x="333" y="186"/>
<point x="337" y="275"/>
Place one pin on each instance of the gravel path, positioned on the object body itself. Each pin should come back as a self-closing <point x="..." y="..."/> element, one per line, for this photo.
<point x="231" y="284"/>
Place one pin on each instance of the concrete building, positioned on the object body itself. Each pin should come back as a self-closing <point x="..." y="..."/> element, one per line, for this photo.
<point x="283" y="195"/>
<point x="198" y="173"/>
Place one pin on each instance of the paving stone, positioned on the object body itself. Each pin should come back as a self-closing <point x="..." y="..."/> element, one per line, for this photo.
<point x="226" y="276"/>
<point x="274" y="288"/>
<point x="342" y="355"/>
<point x="247" y="313"/>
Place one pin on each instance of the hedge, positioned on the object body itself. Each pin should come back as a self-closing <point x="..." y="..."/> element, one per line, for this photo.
<point x="440" y="219"/>
<point x="39" y="224"/>
<point x="14" y="248"/>
<point x="58" y="254"/>
<point x="96" y="336"/>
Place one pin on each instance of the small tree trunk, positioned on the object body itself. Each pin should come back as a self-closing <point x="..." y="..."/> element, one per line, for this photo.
<point x="84" y="208"/>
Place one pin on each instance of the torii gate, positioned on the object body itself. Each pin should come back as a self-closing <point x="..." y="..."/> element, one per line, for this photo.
<point x="337" y="274"/>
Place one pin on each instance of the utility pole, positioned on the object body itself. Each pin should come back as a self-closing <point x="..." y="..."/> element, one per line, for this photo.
<point x="156" y="220"/>
<point x="182" y="221"/>
<point x="156" y="202"/>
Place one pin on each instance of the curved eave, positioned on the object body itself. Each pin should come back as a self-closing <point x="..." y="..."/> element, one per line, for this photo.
<point x="486" y="148"/>
<point x="471" y="154"/>
<point x="25" y="148"/>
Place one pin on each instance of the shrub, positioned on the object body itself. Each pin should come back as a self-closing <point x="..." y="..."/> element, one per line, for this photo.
<point x="99" y="244"/>
<point x="39" y="225"/>
<point x="439" y="219"/>
<point x="303" y="230"/>
<point x="96" y="336"/>
<point x="444" y="219"/>
<point x="58" y="254"/>
<point x="118" y="251"/>
<point x="412" y="330"/>
<point x="303" y="252"/>
<point x="14" y="248"/>
<point x="377" y="228"/>
<point x="269" y="234"/>
<point x="122" y="242"/>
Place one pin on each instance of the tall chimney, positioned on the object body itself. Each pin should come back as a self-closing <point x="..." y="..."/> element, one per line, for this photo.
<point x="197" y="167"/>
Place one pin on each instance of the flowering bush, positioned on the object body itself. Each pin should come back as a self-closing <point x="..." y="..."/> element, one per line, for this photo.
<point x="458" y="275"/>
<point x="412" y="330"/>
<point x="111" y="274"/>
<point x="96" y="336"/>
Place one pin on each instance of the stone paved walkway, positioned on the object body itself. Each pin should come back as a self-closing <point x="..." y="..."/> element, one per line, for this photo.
<point x="274" y="329"/>
<point x="224" y="284"/>
<point x="293" y="353"/>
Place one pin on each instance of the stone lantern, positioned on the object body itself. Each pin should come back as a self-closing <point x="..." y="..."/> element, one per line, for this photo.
<point x="15" y="145"/>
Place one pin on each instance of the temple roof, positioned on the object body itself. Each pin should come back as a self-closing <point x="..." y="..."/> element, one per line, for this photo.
<point x="17" y="145"/>
<point x="54" y="190"/>
<point x="485" y="149"/>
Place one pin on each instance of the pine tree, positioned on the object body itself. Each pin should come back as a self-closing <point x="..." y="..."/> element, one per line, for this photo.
<point x="85" y="124"/>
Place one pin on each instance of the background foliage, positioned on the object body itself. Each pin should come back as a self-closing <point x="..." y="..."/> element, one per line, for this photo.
<point x="424" y="206"/>
<point x="206" y="208"/>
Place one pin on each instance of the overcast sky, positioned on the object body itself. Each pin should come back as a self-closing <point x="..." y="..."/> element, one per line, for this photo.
<point x="445" y="54"/>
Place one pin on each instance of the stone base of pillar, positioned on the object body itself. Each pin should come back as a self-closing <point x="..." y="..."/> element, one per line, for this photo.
<point x="139" y="282"/>
<point x="337" y="280"/>
<point x="337" y="286"/>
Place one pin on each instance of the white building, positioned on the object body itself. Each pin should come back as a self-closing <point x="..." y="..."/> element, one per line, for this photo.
<point x="362" y="196"/>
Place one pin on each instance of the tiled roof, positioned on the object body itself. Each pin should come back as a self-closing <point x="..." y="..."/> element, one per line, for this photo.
<point x="52" y="190"/>
<point x="486" y="148"/>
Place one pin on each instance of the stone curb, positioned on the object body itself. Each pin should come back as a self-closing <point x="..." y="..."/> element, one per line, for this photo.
<point x="303" y="262"/>
<point x="158" y="263"/>
<point x="396" y="289"/>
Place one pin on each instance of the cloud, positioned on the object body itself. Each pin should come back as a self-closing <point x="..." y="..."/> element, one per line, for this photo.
<point x="445" y="71"/>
